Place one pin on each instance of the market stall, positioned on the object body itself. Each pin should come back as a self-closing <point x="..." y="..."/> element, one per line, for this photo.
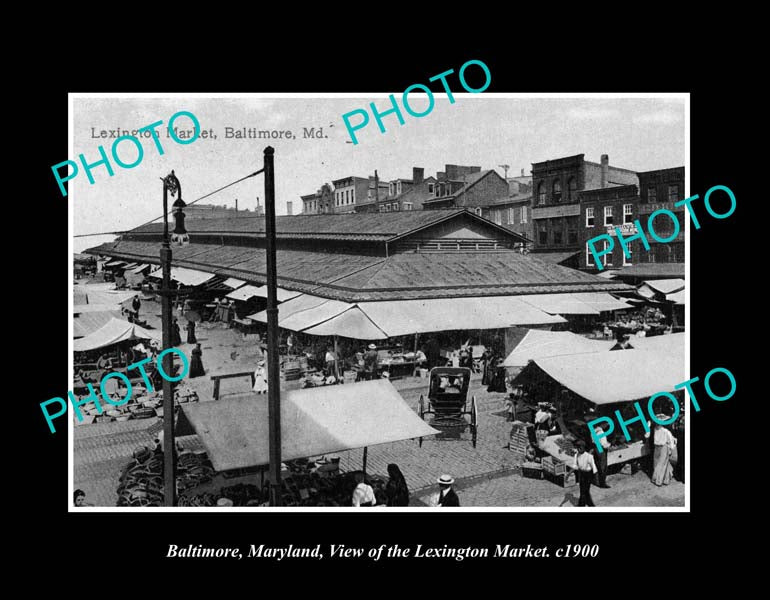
<point x="314" y="422"/>
<point x="586" y="386"/>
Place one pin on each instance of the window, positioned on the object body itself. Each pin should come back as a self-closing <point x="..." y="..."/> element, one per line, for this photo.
<point x="352" y="196"/>
<point x="628" y="216"/>
<point x="590" y="216"/>
<point x="438" y="193"/>
<point x="407" y="206"/>
<point x="394" y="206"/>
<point x="557" y="191"/>
<point x="557" y="238"/>
<point x="477" y="210"/>
<point x="607" y="258"/>
<point x="652" y="194"/>
<point x="627" y="259"/>
<point x="523" y="214"/>
<point x="542" y="236"/>
<point x="607" y="215"/>
<point x="430" y="188"/>
<point x="398" y="187"/>
<point x="589" y="257"/>
<point x="673" y="193"/>
<point x="511" y="216"/>
<point x="571" y="189"/>
<point x="386" y="207"/>
<point x="498" y="217"/>
<point x="541" y="193"/>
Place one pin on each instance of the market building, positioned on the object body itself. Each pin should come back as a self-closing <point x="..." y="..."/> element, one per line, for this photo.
<point x="467" y="187"/>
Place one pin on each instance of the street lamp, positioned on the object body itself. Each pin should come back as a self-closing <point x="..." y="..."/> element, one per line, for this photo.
<point x="179" y="238"/>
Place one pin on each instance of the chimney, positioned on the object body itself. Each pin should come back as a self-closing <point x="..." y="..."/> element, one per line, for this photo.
<point x="605" y="170"/>
<point x="417" y="175"/>
<point x="376" y="186"/>
<point x="522" y="172"/>
<point x="288" y="207"/>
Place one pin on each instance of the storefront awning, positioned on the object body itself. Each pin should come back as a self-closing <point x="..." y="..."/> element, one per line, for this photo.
<point x="314" y="421"/>
<point x="676" y="297"/>
<point x="244" y="293"/>
<point x="352" y="323"/>
<point x="559" y="304"/>
<point x="542" y="344"/>
<point x="617" y="376"/>
<point x="84" y="294"/>
<point x="283" y="295"/>
<point x="139" y="269"/>
<point x="115" y="263"/>
<point x="114" y="331"/>
<point x="189" y="277"/>
<point x="665" y="286"/>
<point x="601" y="301"/>
<point x="233" y="283"/>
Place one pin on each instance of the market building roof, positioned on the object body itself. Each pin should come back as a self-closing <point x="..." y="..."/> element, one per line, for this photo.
<point x="381" y="256"/>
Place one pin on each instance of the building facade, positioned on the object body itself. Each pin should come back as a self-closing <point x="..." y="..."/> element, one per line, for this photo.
<point x="348" y="191"/>
<point x="556" y="209"/>
<point x="467" y="187"/>
<point x="622" y="206"/>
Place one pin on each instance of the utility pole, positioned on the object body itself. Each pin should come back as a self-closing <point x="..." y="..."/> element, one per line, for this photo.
<point x="505" y="168"/>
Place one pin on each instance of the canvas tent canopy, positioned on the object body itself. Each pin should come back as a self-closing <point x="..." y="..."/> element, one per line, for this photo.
<point x="189" y="277"/>
<point x="321" y="316"/>
<point x="87" y="294"/>
<point x="112" y="332"/>
<point x="243" y="293"/>
<point x="619" y="376"/>
<point x="541" y="344"/>
<point x="314" y="421"/>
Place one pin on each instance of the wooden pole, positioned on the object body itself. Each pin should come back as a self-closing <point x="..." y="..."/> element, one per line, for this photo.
<point x="273" y="374"/>
<point x="366" y="454"/>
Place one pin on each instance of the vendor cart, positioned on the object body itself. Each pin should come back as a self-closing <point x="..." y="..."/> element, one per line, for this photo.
<point x="448" y="400"/>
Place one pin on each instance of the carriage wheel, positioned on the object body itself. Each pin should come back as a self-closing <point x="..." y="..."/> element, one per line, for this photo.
<point x="422" y="412"/>
<point x="474" y="420"/>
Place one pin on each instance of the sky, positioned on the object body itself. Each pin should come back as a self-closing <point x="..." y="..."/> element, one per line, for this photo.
<point x="487" y="130"/>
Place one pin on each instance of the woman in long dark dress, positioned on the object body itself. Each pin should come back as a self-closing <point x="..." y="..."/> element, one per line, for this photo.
<point x="196" y="362"/>
<point x="191" y="332"/>
<point x="396" y="490"/>
<point x="176" y="335"/>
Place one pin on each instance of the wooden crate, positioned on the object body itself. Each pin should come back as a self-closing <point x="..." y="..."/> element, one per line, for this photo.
<point x="532" y="470"/>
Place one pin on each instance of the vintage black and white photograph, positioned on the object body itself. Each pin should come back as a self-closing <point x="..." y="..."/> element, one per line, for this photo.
<point x="326" y="303"/>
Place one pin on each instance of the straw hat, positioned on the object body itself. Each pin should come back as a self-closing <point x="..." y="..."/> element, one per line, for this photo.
<point x="662" y="417"/>
<point x="225" y="502"/>
<point x="446" y="480"/>
<point x="372" y="347"/>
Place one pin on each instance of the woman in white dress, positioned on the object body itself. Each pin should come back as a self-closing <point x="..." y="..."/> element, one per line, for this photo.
<point x="260" y="378"/>
<point x="665" y="451"/>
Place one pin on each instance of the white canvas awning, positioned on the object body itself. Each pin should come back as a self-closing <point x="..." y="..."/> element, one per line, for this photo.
<point x="560" y="304"/>
<point x="618" y="376"/>
<point x="244" y="293"/>
<point x="541" y="344"/>
<point x="352" y="323"/>
<point x="676" y="297"/>
<point x="233" y="283"/>
<point x="189" y="277"/>
<point x="314" y="421"/>
<point x="602" y="301"/>
<point x="283" y="295"/>
<point x="114" y="331"/>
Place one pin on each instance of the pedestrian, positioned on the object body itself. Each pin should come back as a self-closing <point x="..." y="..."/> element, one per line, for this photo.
<point x="260" y="378"/>
<point x="396" y="490"/>
<point x="330" y="359"/>
<point x="196" y="362"/>
<point x="80" y="498"/>
<point x="176" y="335"/>
<point x="363" y="495"/>
<point x="371" y="360"/>
<point x="585" y="468"/>
<point x="665" y="453"/>
<point x="290" y="343"/>
<point x="190" y="327"/>
<point x="136" y="304"/>
<point x="446" y="495"/>
<point x="601" y="457"/>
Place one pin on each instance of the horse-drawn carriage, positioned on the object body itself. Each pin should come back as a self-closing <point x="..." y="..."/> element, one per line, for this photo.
<point x="448" y="401"/>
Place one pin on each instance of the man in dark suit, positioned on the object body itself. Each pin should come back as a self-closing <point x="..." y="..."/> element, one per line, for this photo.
<point x="446" y="495"/>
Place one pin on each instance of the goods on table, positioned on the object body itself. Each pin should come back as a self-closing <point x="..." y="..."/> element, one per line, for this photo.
<point x="141" y="481"/>
<point x="141" y="405"/>
<point x="566" y="446"/>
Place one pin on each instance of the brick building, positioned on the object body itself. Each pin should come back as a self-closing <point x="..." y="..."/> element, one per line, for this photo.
<point x="348" y="191"/>
<point x="620" y="206"/>
<point x="467" y="187"/>
<point x="556" y="210"/>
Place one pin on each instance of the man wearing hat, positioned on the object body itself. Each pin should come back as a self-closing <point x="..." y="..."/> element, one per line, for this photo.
<point x="446" y="495"/>
<point x="370" y="362"/>
<point x="585" y="468"/>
